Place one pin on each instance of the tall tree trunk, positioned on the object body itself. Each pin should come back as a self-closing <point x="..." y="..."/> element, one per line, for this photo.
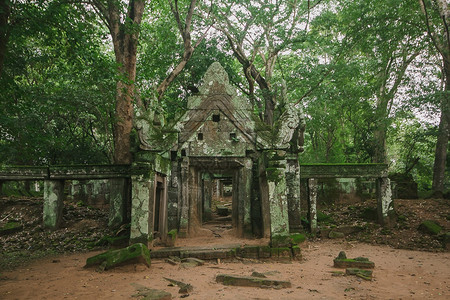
<point x="440" y="156"/>
<point x="379" y="134"/>
<point x="5" y="11"/>
<point x="125" y="40"/>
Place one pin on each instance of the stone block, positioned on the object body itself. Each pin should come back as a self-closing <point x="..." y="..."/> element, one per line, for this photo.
<point x="248" y="252"/>
<point x="249" y="281"/>
<point x="364" y="274"/>
<point x="359" y="262"/>
<point x="107" y="260"/>
<point x="296" y="252"/>
<point x="264" y="252"/>
<point x="336" y="235"/>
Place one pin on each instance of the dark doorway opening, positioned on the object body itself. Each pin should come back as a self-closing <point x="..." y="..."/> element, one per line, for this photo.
<point x="217" y="203"/>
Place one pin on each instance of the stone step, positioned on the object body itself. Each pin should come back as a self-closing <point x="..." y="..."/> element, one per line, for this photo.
<point x="229" y="251"/>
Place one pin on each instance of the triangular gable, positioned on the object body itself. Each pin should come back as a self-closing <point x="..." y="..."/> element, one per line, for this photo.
<point x="196" y="117"/>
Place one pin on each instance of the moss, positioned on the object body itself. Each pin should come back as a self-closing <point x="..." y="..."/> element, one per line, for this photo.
<point x="172" y="234"/>
<point x="273" y="174"/>
<point x="364" y="274"/>
<point x="430" y="227"/>
<point x="297" y="238"/>
<point x="10" y="227"/>
<point x="324" y="218"/>
<point x="113" y="258"/>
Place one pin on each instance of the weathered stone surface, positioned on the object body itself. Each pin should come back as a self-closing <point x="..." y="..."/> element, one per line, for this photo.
<point x="53" y="203"/>
<point x="117" y="199"/>
<point x="336" y="235"/>
<point x="194" y="261"/>
<point x="359" y="262"/>
<point x="184" y="287"/>
<point x="141" y="214"/>
<point x="145" y="293"/>
<point x="107" y="260"/>
<point x="364" y="274"/>
<point x="257" y="274"/>
<point x="249" y="281"/>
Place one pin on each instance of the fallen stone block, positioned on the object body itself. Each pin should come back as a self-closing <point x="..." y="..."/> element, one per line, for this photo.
<point x="109" y="259"/>
<point x="184" y="287"/>
<point x="359" y="262"/>
<point x="257" y="274"/>
<point x="194" y="261"/>
<point x="250" y="281"/>
<point x="336" y="235"/>
<point x="145" y="293"/>
<point x="364" y="274"/>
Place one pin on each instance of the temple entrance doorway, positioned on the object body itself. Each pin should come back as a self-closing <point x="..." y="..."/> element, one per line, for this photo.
<point x="219" y="193"/>
<point x="217" y="198"/>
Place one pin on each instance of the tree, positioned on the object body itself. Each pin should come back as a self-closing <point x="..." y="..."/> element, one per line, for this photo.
<point x="386" y="36"/>
<point x="257" y="32"/>
<point x="436" y="15"/>
<point x="54" y="100"/>
<point x="5" y="11"/>
<point x="123" y="20"/>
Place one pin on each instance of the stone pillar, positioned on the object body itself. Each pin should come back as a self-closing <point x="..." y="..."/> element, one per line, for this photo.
<point x="184" y="198"/>
<point x="118" y="196"/>
<point x="244" y="191"/>
<point x="195" y="203"/>
<point x="293" y="193"/>
<point x="312" y="203"/>
<point x="278" y="206"/>
<point x="142" y="192"/>
<point x="53" y="203"/>
<point x="385" y="205"/>
<point x="172" y="201"/>
<point x="207" y="195"/>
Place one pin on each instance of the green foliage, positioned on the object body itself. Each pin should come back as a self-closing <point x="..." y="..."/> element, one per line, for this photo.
<point x="340" y="61"/>
<point x="56" y="98"/>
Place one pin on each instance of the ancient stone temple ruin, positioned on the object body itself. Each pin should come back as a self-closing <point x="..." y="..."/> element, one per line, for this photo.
<point x="218" y="138"/>
<point x="181" y="168"/>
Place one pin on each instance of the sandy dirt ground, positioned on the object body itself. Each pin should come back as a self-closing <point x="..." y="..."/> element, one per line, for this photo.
<point x="398" y="274"/>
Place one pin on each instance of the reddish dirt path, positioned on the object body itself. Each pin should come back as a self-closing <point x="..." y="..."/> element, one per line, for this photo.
<point x="398" y="274"/>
